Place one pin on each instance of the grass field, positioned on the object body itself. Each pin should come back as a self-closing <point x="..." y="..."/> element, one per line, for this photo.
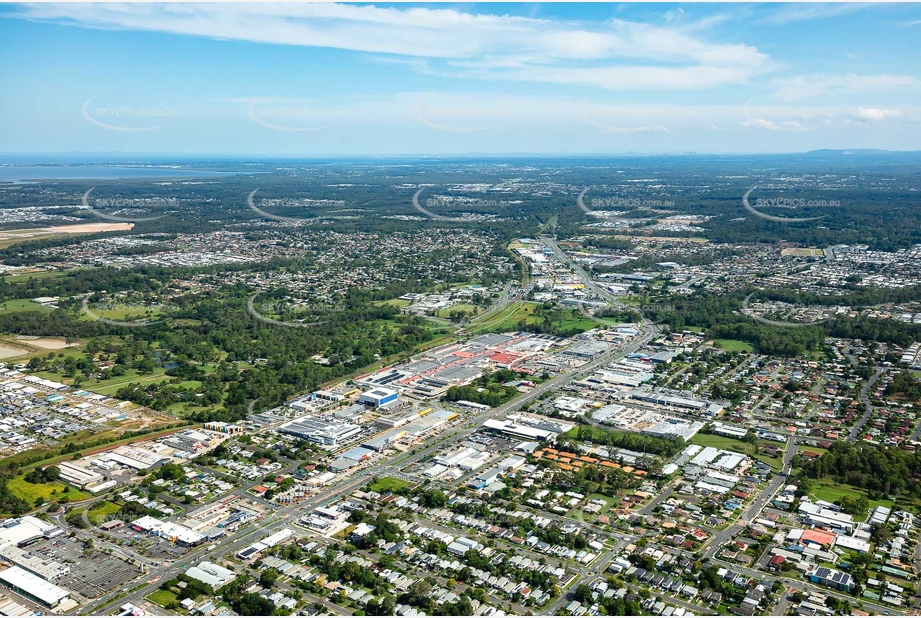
<point x="109" y="439"/>
<point x="721" y="442"/>
<point x="507" y="320"/>
<point x="162" y="597"/>
<point x="608" y="499"/>
<point x="124" y="313"/>
<point x="110" y="387"/>
<point x="801" y="448"/>
<point x="99" y="512"/>
<point x="75" y="351"/>
<point x="22" y="304"/>
<point x="830" y="491"/>
<point x="31" y="492"/>
<point x="389" y="484"/>
<point x="733" y="345"/>
<point x="396" y="302"/>
<point x="39" y="274"/>
<point x="731" y="444"/>
<point x="446" y="312"/>
<point x="14" y="237"/>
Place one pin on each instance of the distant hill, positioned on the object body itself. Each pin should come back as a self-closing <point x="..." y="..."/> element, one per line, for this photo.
<point x="860" y="152"/>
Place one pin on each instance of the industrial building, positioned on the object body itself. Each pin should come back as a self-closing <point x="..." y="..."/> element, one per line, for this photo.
<point x="384" y="440"/>
<point x="21" y="532"/>
<point x="33" y="587"/>
<point x="227" y="428"/>
<point x="674" y="428"/>
<point x="664" y="399"/>
<point x="179" y="534"/>
<point x="587" y="350"/>
<point x="379" y="397"/>
<point x="320" y="431"/>
<point x="132" y="457"/>
<point x="351" y="458"/>
<point x="9" y="607"/>
<point x="46" y="568"/>
<point x="818" y="515"/>
<point x="77" y="475"/>
<point x="211" y="574"/>
<point x="268" y="542"/>
<point x="518" y="431"/>
<point x="429" y="422"/>
<point x="192" y="441"/>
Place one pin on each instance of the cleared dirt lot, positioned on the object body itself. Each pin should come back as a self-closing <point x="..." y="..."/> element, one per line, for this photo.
<point x="45" y="343"/>
<point x="11" y="352"/>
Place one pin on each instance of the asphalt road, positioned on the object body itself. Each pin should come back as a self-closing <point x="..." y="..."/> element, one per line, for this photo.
<point x="757" y="504"/>
<point x="865" y="400"/>
<point x="805" y="586"/>
<point x="586" y="278"/>
<point x="281" y="517"/>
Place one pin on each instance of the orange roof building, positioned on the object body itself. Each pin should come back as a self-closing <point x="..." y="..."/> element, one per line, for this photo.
<point x="820" y="537"/>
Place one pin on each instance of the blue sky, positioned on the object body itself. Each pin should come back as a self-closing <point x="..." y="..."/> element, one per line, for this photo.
<point x="363" y="79"/>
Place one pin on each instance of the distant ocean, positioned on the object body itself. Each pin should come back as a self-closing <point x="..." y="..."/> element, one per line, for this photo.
<point x="24" y="173"/>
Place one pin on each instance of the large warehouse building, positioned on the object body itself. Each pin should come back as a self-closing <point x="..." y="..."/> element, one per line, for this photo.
<point x="212" y="574"/>
<point x="320" y="431"/>
<point x="77" y="475"/>
<point x="21" y="532"/>
<point x="33" y="587"/>
<point x="379" y="397"/>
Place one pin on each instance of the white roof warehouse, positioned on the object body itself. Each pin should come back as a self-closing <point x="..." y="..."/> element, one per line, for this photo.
<point x="212" y="574"/>
<point x="33" y="587"/>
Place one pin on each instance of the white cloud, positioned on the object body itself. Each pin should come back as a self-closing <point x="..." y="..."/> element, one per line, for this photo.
<point x="616" y="54"/>
<point x="871" y="114"/>
<point x="805" y="11"/>
<point x="761" y="123"/>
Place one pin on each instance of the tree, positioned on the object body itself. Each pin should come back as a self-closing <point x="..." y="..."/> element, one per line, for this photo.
<point x="251" y="604"/>
<point x="381" y="607"/>
<point x="268" y="577"/>
<point x="583" y="594"/>
<point x="880" y="533"/>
